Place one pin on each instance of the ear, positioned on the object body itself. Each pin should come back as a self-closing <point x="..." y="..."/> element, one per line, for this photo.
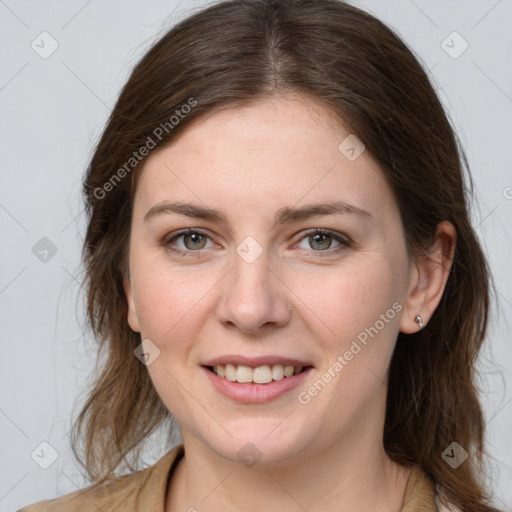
<point x="133" y="319"/>
<point x="428" y="277"/>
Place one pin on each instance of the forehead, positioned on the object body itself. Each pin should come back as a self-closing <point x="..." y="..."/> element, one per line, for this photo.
<point x="272" y="153"/>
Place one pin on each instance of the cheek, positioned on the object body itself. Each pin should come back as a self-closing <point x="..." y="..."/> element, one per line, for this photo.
<point x="169" y="303"/>
<point x="360" y="305"/>
<point x="347" y="301"/>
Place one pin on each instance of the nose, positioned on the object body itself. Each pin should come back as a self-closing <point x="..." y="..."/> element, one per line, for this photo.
<point x="253" y="298"/>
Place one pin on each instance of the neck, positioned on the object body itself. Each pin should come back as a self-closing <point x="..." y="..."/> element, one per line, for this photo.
<point x="354" y="473"/>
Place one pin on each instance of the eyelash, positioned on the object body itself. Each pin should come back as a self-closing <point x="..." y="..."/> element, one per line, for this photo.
<point x="344" y="242"/>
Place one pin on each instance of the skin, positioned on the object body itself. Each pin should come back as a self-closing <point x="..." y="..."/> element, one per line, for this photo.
<point x="291" y="301"/>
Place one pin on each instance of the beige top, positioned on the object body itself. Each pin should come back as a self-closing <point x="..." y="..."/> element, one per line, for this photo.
<point x="145" y="491"/>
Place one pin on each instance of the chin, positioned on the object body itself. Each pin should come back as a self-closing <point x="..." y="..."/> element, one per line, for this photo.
<point x="270" y="442"/>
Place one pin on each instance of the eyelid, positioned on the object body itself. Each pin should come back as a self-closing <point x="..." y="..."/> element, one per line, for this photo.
<point x="182" y="232"/>
<point x="341" y="238"/>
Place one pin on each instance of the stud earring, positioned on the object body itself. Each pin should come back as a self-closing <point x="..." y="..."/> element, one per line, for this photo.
<point x="419" y="321"/>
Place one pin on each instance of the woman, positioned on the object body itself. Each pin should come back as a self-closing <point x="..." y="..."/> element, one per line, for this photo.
<point x="279" y="255"/>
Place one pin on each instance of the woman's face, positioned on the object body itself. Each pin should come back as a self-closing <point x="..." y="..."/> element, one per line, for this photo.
<point x="261" y="283"/>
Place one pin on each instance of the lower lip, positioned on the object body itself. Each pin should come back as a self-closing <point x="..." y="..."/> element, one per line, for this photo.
<point x="249" y="393"/>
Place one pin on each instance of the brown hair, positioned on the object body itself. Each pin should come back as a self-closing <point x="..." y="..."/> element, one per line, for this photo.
<point x="231" y="54"/>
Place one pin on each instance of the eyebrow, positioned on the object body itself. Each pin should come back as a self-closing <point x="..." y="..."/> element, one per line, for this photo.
<point x="283" y="216"/>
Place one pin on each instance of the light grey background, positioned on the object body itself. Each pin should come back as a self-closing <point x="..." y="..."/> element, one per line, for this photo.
<point x="52" y="111"/>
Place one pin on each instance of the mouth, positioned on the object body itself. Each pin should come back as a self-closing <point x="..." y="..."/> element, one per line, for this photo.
<point x="256" y="380"/>
<point x="264" y="374"/>
<point x="259" y="383"/>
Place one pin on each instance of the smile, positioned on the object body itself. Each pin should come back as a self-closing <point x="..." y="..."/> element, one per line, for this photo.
<point x="250" y="389"/>
<point x="260" y="375"/>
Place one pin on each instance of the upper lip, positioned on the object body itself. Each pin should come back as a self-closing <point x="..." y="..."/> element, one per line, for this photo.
<point x="254" y="362"/>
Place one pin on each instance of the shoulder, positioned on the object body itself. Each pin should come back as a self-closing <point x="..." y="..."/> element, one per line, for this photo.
<point x="123" y="490"/>
<point x="442" y="503"/>
<point x="142" y="490"/>
<point x="423" y="495"/>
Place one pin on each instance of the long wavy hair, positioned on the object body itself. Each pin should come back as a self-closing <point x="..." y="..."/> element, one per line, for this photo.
<point x="231" y="54"/>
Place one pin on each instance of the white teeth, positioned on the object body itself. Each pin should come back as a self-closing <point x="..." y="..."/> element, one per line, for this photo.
<point x="288" y="371"/>
<point x="260" y="375"/>
<point x="277" y="371"/>
<point x="230" y="372"/>
<point x="243" y="374"/>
